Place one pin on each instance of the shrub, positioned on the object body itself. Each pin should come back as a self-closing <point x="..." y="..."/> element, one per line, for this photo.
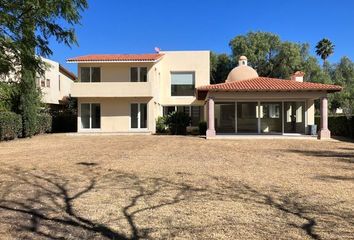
<point x="10" y="125"/>
<point x="160" y="125"/>
<point x="202" y="126"/>
<point x="339" y="125"/>
<point x="43" y="123"/>
<point x="177" y="123"/>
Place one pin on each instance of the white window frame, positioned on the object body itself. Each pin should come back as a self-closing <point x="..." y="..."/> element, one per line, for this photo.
<point x="90" y="74"/>
<point x="139" y="115"/>
<point x="90" y="121"/>
<point x="139" y="80"/>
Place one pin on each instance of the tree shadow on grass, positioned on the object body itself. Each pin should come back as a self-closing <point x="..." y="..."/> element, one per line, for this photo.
<point x="338" y="156"/>
<point x="42" y="205"/>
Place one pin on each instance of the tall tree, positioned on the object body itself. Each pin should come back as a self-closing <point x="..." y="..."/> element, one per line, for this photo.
<point x="270" y="56"/>
<point x="260" y="48"/>
<point x="26" y="27"/>
<point x="343" y="74"/>
<point x="324" y="49"/>
<point x="220" y="66"/>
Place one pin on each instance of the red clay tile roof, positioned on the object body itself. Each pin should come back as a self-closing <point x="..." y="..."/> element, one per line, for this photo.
<point x="150" y="57"/>
<point x="263" y="84"/>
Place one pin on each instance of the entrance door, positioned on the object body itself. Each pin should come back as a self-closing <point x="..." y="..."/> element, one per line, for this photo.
<point x="225" y="117"/>
<point x="294" y="117"/>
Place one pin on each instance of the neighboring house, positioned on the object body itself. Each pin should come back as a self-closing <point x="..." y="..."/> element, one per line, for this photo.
<point x="127" y="92"/>
<point x="249" y="104"/>
<point x="56" y="83"/>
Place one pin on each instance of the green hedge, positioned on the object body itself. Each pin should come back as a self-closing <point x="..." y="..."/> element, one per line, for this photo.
<point x="10" y="125"/>
<point x="339" y="125"/>
<point x="44" y="123"/>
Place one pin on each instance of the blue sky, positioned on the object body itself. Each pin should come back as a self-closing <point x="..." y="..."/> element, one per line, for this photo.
<point x="137" y="26"/>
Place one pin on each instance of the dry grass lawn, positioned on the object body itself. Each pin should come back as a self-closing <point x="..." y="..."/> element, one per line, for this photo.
<point x="164" y="187"/>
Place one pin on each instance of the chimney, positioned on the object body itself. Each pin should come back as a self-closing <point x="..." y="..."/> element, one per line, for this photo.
<point x="298" y="76"/>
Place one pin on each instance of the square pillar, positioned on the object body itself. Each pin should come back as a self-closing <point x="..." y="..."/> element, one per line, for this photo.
<point x="324" y="132"/>
<point x="211" y="123"/>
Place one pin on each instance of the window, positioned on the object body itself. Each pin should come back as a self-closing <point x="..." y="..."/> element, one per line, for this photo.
<point x="59" y="82"/>
<point x="138" y="115"/>
<point x="194" y="112"/>
<point x="90" y="74"/>
<point x="48" y="83"/>
<point x="182" y="83"/>
<point x="138" y="74"/>
<point x="90" y="115"/>
<point x="42" y="82"/>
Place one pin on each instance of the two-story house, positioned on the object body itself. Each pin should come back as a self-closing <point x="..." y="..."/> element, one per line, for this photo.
<point x="127" y="92"/>
<point x="55" y="84"/>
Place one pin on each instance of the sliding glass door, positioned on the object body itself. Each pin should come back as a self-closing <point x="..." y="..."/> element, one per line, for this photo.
<point x="271" y="117"/>
<point x="138" y="115"/>
<point x="247" y="117"/>
<point x="294" y="117"/>
<point x="90" y="115"/>
<point x="225" y="117"/>
<point x="262" y="117"/>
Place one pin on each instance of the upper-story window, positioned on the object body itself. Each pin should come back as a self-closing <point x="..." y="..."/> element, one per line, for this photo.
<point x="182" y="83"/>
<point x="47" y="83"/>
<point x="90" y="74"/>
<point x="138" y="74"/>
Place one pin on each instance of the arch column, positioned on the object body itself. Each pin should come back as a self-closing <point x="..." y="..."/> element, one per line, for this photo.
<point x="324" y="132"/>
<point x="211" y="122"/>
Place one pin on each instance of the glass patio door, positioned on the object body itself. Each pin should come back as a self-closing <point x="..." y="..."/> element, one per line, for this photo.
<point x="270" y="117"/>
<point x="225" y="117"/>
<point x="138" y="115"/>
<point x="294" y="117"/>
<point x="247" y="117"/>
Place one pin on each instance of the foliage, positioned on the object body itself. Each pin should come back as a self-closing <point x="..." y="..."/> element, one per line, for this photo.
<point x="9" y="96"/>
<point x="26" y="26"/>
<point x="343" y="75"/>
<point x="10" y="125"/>
<point x="36" y="21"/>
<point x="339" y="125"/>
<point x="203" y="126"/>
<point x="324" y="49"/>
<point x="43" y="123"/>
<point x="160" y="125"/>
<point x="272" y="57"/>
<point x="177" y="123"/>
<point x="220" y="66"/>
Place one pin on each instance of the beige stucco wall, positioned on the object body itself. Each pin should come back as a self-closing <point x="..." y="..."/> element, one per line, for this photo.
<point x="53" y="94"/>
<point x="115" y="104"/>
<point x="115" y="114"/>
<point x="183" y="61"/>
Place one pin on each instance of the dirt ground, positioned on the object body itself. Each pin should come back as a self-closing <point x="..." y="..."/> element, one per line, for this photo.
<point x="165" y="187"/>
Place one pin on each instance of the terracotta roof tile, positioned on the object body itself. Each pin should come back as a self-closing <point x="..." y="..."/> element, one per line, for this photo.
<point x="263" y="84"/>
<point x="117" y="57"/>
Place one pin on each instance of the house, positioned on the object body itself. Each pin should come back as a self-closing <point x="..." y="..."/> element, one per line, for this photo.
<point x="126" y="93"/>
<point x="249" y="104"/>
<point x="55" y="84"/>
